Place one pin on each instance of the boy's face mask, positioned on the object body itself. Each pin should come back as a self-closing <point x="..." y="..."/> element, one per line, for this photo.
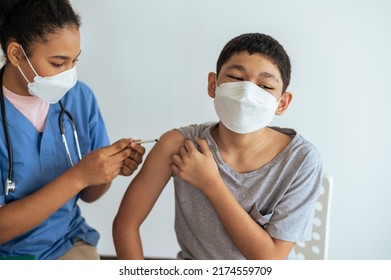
<point x="243" y="107"/>
<point x="50" y="89"/>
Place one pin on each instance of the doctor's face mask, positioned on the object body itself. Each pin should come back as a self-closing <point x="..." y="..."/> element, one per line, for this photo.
<point x="50" y="89"/>
<point x="243" y="107"/>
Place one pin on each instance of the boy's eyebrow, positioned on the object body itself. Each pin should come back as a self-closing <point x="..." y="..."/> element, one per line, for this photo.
<point x="241" y="68"/>
<point x="268" y="75"/>
<point x="238" y="67"/>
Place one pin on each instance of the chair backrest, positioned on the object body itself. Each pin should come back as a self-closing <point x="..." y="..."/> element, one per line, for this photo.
<point x="317" y="248"/>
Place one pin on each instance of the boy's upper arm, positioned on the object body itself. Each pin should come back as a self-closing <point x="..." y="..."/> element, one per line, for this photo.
<point x="156" y="171"/>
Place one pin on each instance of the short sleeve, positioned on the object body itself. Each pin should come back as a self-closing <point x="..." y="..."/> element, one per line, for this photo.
<point x="262" y="220"/>
<point x="292" y="219"/>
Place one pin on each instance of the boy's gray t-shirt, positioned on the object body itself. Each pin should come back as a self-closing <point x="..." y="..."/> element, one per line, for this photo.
<point x="280" y="196"/>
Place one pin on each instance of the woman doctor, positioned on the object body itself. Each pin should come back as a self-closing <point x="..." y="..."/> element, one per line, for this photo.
<point x="54" y="148"/>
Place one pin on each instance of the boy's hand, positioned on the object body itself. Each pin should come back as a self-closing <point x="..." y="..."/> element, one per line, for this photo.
<point x="198" y="169"/>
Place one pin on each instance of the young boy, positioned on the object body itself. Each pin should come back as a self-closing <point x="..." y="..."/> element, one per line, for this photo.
<point x="243" y="190"/>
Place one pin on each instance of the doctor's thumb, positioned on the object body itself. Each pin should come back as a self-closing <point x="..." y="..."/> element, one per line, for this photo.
<point x="117" y="147"/>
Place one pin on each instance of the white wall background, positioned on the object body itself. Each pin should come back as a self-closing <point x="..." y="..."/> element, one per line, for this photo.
<point x="147" y="62"/>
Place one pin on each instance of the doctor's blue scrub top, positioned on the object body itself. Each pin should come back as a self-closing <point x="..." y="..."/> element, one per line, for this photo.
<point x="39" y="158"/>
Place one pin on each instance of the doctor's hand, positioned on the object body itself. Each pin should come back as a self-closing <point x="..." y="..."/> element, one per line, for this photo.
<point x="103" y="165"/>
<point x="197" y="168"/>
<point x="134" y="160"/>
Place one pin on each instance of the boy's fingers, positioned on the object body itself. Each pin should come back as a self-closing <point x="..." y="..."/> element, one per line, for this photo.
<point x="176" y="159"/>
<point x="204" y="146"/>
<point x="189" y="145"/>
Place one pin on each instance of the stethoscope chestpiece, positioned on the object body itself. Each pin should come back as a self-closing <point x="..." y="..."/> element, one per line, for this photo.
<point x="9" y="186"/>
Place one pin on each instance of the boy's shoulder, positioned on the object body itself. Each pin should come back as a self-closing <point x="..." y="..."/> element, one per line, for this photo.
<point x="190" y="131"/>
<point x="288" y="131"/>
<point x="299" y="144"/>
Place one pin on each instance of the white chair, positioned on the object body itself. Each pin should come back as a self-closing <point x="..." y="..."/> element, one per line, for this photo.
<point x="317" y="248"/>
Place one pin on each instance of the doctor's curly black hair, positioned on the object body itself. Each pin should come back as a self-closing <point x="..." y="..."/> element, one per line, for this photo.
<point x="30" y="21"/>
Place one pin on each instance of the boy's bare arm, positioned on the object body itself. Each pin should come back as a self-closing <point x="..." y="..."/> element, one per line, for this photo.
<point x="252" y="240"/>
<point x="142" y="194"/>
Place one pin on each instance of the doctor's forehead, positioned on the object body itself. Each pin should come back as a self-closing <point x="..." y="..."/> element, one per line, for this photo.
<point x="63" y="42"/>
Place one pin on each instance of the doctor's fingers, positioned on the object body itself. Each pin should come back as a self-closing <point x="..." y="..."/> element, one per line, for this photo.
<point x="136" y="156"/>
<point x="138" y="148"/>
<point x="98" y="170"/>
<point x="120" y="156"/>
<point x="116" y="147"/>
<point x="101" y="161"/>
<point x="128" y="167"/>
<point x="114" y="169"/>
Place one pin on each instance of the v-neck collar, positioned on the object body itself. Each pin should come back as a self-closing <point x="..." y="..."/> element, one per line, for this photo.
<point x="16" y="119"/>
<point x="229" y="169"/>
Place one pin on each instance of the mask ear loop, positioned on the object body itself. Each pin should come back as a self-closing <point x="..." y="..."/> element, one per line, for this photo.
<point x="31" y="66"/>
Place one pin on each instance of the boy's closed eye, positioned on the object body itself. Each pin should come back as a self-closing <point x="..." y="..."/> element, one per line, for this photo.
<point x="238" y="78"/>
<point x="265" y="87"/>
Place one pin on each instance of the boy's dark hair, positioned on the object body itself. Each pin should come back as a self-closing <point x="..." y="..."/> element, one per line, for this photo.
<point x="30" y="21"/>
<point x="262" y="44"/>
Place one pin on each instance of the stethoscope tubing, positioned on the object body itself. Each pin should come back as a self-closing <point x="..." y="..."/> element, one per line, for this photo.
<point x="7" y="138"/>
<point x="62" y="131"/>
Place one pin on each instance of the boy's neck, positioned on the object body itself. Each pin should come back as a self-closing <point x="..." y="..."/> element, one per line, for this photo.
<point x="228" y="140"/>
<point x="248" y="152"/>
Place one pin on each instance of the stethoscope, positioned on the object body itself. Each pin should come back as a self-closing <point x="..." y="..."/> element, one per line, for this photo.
<point x="9" y="183"/>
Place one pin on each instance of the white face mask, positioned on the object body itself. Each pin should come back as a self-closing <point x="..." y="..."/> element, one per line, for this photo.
<point x="243" y="107"/>
<point x="50" y="89"/>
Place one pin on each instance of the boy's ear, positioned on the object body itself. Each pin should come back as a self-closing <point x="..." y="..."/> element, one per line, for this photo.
<point x="286" y="99"/>
<point x="212" y="84"/>
<point x="14" y="54"/>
